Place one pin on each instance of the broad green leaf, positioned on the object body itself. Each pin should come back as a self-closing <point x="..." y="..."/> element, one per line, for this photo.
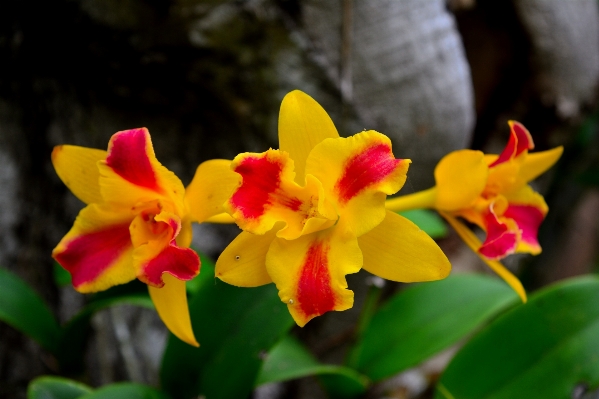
<point x="56" y="388"/>
<point x="429" y="221"/>
<point x="62" y="277"/>
<point x="422" y="320"/>
<point x="207" y="264"/>
<point x="235" y="328"/>
<point x="543" y="349"/>
<point x="125" y="390"/>
<point x="289" y="360"/>
<point x="23" y="309"/>
<point x="75" y="333"/>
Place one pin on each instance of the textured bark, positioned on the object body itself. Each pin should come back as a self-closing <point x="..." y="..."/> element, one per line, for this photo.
<point x="565" y="39"/>
<point x="206" y="80"/>
<point x="411" y="80"/>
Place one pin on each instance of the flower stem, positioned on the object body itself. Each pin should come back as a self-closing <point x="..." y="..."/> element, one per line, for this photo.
<point x="474" y="243"/>
<point x="419" y="200"/>
<point x="221" y="218"/>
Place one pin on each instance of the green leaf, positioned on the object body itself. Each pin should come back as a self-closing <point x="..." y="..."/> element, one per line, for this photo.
<point x="422" y="320"/>
<point x="75" y="333"/>
<point x="429" y="221"/>
<point x="194" y="285"/>
<point x="63" y="388"/>
<point x="56" y="388"/>
<point x="126" y="390"/>
<point x="24" y="310"/>
<point x="543" y="349"/>
<point x="289" y="360"/>
<point x="62" y="277"/>
<point x="235" y="328"/>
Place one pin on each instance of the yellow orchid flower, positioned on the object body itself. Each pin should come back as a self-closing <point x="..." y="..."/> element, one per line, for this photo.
<point x="491" y="191"/>
<point x="314" y="211"/>
<point x="137" y="222"/>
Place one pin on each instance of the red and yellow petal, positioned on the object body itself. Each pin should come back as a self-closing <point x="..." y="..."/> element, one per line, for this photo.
<point x="357" y="174"/>
<point x="502" y="238"/>
<point x="131" y="174"/>
<point x="527" y="209"/>
<point x="398" y="250"/>
<point x="520" y="141"/>
<point x="98" y="251"/>
<point x="171" y="304"/>
<point x="461" y="177"/>
<point x="303" y="123"/>
<point x="310" y="271"/>
<point x="77" y="167"/>
<point x="243" y="262"/>
<point x="212" y="185"/>
<point x="268" y="194"/>
<point x="156" y="251"/>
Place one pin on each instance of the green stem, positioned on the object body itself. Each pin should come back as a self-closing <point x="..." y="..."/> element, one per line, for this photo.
<point x="474" y="243"/>
<point x="419" y="200"/>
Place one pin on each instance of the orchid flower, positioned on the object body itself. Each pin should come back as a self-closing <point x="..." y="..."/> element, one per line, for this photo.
<point x="314" y="211"/>
<point x="492" y="192"/>
<point x="137" y="222"/>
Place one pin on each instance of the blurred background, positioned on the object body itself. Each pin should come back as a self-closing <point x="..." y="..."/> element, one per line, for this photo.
<point x="207" y="78"/>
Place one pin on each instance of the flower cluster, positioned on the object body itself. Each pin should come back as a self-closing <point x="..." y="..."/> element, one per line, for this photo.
<point x="492" y="192"/>
<point x="137" y="222"/>
<point x="314" y="211"/>
<point x="311" y="212"/>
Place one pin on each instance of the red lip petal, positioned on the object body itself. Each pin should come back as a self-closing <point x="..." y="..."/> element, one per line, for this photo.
<point x="183" y="263"/>
<point x="500" y="241"/>
<point x="528" y="218"/>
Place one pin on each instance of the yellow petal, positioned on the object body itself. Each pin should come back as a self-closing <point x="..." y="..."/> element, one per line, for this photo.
<point x="243" y="262"/>
<point x="221" y="218"/>
<point x="473" y="242"/>
<point x="303" y="123"/>
<point x="398" y="250"/>
<point x="461" y="177"/>
<point x="503" y="177"/>
<point x="77" y="167"/>
<point x="310" y="272"/>
<point x="186" y="234"/>
<point x="490" y="158"/>
<point x="171" y="304"/>
<point x="212" y="185"/>
<point x="537" y="163"/>
<point x="358" y="173"/>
